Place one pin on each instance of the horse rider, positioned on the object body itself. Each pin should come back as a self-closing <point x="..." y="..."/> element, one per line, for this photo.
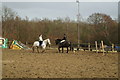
<point x="40" y="39"/>
<point x="64" y="38"/>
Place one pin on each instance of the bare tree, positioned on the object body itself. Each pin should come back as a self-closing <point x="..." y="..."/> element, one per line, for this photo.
<point x="103" y="24"/>
<point x="8" y="13"/>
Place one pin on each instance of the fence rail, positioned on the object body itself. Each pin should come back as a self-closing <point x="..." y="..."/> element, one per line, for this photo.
<point x="101" y="47"/>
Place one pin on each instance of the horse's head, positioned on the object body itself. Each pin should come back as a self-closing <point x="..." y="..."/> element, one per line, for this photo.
<point x="49" y="43"/>
<point x="57" y="41"/>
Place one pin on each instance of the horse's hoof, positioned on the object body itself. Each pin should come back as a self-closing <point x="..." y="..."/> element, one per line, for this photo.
<point x="41" y="52"/>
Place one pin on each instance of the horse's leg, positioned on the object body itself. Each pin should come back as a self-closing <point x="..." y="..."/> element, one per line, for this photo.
<point x="67" y="49"/>
<point x="70" y="48"/>
<point x="43" y="50"/>
<point x="62" y="49"/>
<point x="37" y="49"/>
<point x="33" y="48"/>
<point x="43" y="47"/>
<point x="59" y="49"/>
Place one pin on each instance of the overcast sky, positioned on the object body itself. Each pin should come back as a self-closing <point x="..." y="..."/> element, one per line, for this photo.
<point x="59" y="0"/>
<point x="53" y="10"/>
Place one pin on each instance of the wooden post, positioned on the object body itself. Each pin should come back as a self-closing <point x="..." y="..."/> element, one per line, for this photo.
<point x="89" y="46"/>
<point x="96" y="46"/>
<point x="102" y="47"/>
<point x="112" y="47"/>
<point x="26" y="43"/>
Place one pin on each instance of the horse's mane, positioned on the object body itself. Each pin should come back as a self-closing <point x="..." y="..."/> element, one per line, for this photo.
<point x="59" y="39"/>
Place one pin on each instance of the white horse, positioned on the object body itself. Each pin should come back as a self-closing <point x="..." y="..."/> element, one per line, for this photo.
<point x="43" y="45"/>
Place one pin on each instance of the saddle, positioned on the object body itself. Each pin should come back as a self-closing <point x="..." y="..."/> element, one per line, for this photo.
<point x="40" y="43"/>
<point x="62" y="41"/>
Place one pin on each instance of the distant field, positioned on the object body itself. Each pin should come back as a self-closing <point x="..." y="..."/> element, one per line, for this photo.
<point x="25" y="64"/>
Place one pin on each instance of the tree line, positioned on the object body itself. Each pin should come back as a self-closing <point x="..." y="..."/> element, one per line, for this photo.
<point x="98" y="27"/>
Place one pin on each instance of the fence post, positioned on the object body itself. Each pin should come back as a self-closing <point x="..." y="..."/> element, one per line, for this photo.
<point x="96" y="46"/>
<point x="102" y="47"/>
<point x="112" y="47"/>
<point x="89" y="46"/>
<point x="26" y="43"/>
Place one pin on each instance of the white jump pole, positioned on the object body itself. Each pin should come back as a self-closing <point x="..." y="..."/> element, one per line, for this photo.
<point x="102" y="47"/>
<point x="96" y="46"/>
<point x="112" y="47"/>
<point x="89" y="46"/>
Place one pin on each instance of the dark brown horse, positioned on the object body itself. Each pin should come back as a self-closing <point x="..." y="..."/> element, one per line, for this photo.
<point x="64" y="44"/>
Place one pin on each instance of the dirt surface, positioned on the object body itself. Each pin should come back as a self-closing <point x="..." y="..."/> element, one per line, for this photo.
<point x="25" y="64"/>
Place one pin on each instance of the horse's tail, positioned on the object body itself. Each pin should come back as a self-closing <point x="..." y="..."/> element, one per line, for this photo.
<point x="33" y="47"/>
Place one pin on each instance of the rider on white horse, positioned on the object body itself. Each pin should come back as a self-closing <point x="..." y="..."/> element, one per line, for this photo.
<point x="40" y="40"/>
<point x="43" y="45"/>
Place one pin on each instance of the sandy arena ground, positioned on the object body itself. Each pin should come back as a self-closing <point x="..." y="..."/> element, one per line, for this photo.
<point x="25" y="64"/>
